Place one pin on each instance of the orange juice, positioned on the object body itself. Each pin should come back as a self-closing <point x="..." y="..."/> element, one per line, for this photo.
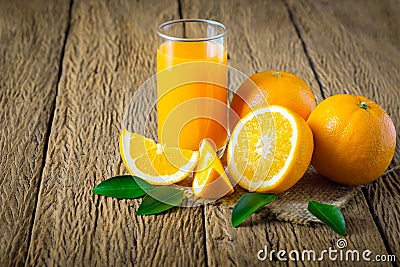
<point x="192" y="93"/>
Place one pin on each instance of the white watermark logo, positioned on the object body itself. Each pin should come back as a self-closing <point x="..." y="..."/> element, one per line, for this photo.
<point x="339" y="253"/>
<point x="159" y="109"/>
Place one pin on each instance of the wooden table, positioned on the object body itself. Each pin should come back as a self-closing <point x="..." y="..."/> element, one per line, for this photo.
<point x="68" y="70"/>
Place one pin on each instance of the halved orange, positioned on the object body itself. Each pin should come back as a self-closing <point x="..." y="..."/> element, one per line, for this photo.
<point x="270" y="149"/>
<point x="210" y="179"/>
<point x="155" y="163"/>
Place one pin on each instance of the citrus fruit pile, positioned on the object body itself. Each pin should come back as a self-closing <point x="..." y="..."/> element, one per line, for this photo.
<point x="277" y="131"/>
<point x="353" y="138"/>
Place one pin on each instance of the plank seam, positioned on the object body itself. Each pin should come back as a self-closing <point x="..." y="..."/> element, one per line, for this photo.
<point x="377" y="223"/>
<point x="305" y="49"/>
<point x="48" y="131"/>
<point x="180" y="13"/>
<point x="180" y="9"/>
<point x="205" y="236"/>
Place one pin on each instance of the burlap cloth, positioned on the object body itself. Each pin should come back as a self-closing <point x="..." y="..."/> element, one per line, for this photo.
<point x="291" y="205"/>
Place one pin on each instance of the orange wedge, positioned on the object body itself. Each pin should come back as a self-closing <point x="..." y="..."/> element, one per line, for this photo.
<point x="270" y="149"/>
<point x="210" y="179"/>
<point x="155" y="163"/>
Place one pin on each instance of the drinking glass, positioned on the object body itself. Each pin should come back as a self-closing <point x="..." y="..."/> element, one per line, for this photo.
<point x="192" y="83"/>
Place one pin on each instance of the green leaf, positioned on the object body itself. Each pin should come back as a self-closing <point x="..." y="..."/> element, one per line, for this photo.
<point x="125" y="186"/>
<point x="160" y="199"/>
<point x="328" y="214"/>
<point x="249" y="204"/>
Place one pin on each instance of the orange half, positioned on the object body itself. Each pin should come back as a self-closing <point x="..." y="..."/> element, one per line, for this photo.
<point x="270" y="149"/>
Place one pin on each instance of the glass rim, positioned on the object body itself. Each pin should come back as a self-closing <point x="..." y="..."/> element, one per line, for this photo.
<point x="184" y="39"/>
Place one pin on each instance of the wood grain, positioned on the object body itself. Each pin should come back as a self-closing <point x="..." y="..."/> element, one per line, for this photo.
<point x="110" y="51"/>
<point x="31" y="42"/>
<point x="360" y="56"/>
<point x="336" y="46"/>
<point x="262" y="37"/>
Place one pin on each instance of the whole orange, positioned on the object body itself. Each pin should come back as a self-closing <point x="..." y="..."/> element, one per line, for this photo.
<point x="354" y="139"/>
<point x="273" y="88"/>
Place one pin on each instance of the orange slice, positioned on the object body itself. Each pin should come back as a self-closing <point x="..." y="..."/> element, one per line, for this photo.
<point x="155" y="163"/>
<point x="270" y="149"/>
<point x="210" y="179"/>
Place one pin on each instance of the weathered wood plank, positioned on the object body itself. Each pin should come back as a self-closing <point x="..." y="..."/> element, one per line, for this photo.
<point x="262" y="37"/>
<point x="361" y="56"/>
<point x="110" y="51"/>
<point x="31" y="41"/>
<point x="239" y="247"/>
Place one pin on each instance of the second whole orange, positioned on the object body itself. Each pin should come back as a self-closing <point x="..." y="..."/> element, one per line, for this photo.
<point x="272" y="88"/>
<point x="354" y="139"/>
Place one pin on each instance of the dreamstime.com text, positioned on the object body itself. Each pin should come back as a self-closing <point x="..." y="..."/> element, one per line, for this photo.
<point x="340" y="253"/>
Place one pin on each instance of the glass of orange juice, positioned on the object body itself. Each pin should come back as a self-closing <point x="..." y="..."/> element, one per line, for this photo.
<point x="192" y="83"/>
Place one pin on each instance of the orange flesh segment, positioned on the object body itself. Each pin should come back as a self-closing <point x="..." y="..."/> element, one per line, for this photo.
<point x="155" y="163"/>
<point x="210" y="179"/>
